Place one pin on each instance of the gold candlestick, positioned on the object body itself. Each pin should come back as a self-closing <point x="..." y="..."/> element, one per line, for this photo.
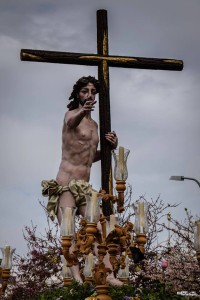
<point x="102" y="292"/>
<point x="141" y="241"/>
<point x="100" y="274"/>
<point x="88" y="244"/>
<point x="113" y="251"/>
<point x="67" y="281"/>
<point x="120" y="187"/>
<point x="71" y="258"/>
<point x="103" y="226"/>
<point x="5" y="277"/>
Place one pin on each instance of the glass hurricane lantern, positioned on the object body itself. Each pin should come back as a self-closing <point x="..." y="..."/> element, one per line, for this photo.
<point x="120" y="156"/>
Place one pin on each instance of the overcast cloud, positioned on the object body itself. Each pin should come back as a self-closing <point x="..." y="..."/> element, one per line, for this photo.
<point x="155" y="113"/>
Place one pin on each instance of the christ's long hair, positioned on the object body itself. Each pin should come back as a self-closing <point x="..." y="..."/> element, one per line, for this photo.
<point x="83" y="81"/>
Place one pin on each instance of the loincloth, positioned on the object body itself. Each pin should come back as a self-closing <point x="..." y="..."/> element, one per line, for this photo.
<point x="53" y="190"/>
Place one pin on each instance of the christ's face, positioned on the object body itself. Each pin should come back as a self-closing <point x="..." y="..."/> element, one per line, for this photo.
<point x="87" y="92"/>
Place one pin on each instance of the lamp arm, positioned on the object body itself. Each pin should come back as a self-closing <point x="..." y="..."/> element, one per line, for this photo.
<point x="189" y="178"/>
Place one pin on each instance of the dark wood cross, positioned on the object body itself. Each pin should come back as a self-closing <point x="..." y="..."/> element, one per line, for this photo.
<point x="103" y="60"/>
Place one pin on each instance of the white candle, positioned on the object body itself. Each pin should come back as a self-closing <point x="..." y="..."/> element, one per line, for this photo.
<point x="68" y="220"/>
<point x="91" y="261"/>
<point x="89" y="265"/>
<point x="131" y="239"/>
<point x="93" y="205"/>
<point x="121" y="160"/>
<point x="127" y="266"/>
<point x="141" y="216"/>
<point x="112" y="222"/>
<point x="7" y="256"/>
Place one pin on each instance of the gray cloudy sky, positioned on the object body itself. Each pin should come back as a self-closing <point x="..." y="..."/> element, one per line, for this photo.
<point x="155" y="113"/>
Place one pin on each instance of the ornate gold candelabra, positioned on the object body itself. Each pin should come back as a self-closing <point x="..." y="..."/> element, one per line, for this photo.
<point x="119" y="238"/>
<point x="111" y="239"/>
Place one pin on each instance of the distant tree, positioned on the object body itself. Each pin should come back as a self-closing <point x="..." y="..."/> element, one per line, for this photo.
<point x="41" y="267"/>
<point x="181" y="270"/>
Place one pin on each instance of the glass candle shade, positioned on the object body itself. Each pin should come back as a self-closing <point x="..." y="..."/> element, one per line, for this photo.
<point x="197" y="236"/>
<point x="124" y="273"/>
<point x="89" y="265"/>
<point x="7" y="254"/>
<point x="67" y="227"/>
<point x="141" y="224"/>
<point x="120" y="156"/>
<point x="92" y="211"/>
<point x="113" y="221"/>
<point x="66" y="273"/>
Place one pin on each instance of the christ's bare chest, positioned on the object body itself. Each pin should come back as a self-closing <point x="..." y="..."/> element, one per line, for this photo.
<point x="87" y="131"/>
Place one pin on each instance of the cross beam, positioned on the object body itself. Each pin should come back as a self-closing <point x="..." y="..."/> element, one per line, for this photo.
<point x="103" y="60"/>
<point x="94" y="60"/>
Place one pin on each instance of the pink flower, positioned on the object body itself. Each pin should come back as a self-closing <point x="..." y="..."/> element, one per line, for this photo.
<point x="164" y="264"/>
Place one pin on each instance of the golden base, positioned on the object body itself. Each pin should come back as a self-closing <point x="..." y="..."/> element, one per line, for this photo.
<point x="5" y="277"/>
<point x="141" y="241"/>
<point x="89" y="280"/>
<point x="120" y="187"/>
<point x="125" y="280"/>
<point x="67" y="281"/>
<point x="102" y="292"/>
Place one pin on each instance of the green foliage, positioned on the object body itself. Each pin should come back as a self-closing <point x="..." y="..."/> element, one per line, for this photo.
<point x="151" y="295"/>
<point x="158" y="291"/>
<point x="77" y="291"/>
<point x="118" y="293"/>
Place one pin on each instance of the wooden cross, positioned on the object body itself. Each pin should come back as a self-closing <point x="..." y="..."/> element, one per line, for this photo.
<point x="103" y="60"/>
